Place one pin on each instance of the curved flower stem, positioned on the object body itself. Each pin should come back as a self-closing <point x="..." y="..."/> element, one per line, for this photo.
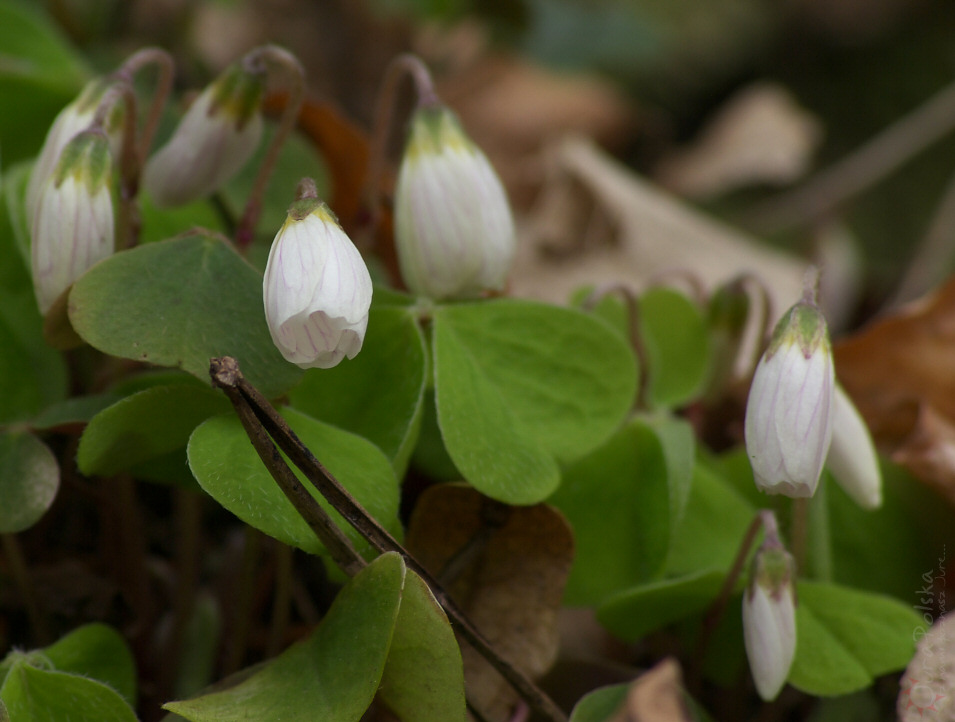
<point x="266" y="57"/>
<point x="165" y="67"/>
<point x="405" y="64"/>
<point x="765" y="520"/>
<point x="250" y="404"/>
<point x="630" y="300"/>
<point x="129" y="159"/>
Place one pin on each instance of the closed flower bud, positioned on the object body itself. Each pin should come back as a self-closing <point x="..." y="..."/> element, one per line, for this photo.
<point x="769" y="620"/>
<point x="317" y="289"/>
<point x="453" y="226"/>
<point x="74" y="118"/>
<point x="214" y="139"/>
<point x="852" y="458"/>
<point x="788" y="425"/>
<point x="73" y="226"/>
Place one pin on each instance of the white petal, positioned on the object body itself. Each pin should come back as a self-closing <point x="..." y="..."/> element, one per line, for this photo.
<point x="317" y="292"/>
<point x="203" y="153"/>
<point x="852" y="457"/>
<point x="769" y="634"/>
<point x="788" y="425"/>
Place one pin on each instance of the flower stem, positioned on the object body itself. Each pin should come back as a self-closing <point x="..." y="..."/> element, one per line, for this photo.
<point x="24" y="585"/>
<point x="164" y="64"/>
<point x="764" y="521"/>
<point x="403" y="65"/>
<point x="129" y="159"/>
<point x="271" y="56"/>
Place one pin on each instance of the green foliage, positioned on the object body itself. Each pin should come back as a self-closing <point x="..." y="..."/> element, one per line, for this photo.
<point x="145" y="425"/>
<point x="600" y="704"/>
<point x="228" y="469"/>
<point x="29" y="480"/>
<point x="845" y="638"/>
<point x="618" y="503"/>
<point x="39" y="74"/>
<point x="184" y="301"/>
<point x="87" y="675"/>
<point x="379" y="393"/>
<point x="382" y="629"/>
<point x="521" y="385"/>
<point x="677" y="347"/>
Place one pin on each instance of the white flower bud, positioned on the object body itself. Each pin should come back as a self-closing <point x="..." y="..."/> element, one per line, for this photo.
<point x="852" y="457"/>
<point x="769" y="620"/>
<point x="73" y="225"/>
<point x="316" y="290"/>
<point x="215" y="138"/>
<point x="788" y="425"/>
<point x="74" y="118"/>
<point x="453" y="226"/>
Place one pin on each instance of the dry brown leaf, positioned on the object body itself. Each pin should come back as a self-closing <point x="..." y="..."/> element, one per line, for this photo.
<point x="927" y="689"/>
<point x="511" y="587"/>
<point x="598" y="223"/>
<point x="655" y="696"/>
<point x="513" y="109"/>
<point x="900" y="371"/>
<point x="760" y="135"/>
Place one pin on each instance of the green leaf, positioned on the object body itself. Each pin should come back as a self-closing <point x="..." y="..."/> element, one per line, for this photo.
<point x="845" y="638"/>
<point x="599" y="705"/>
<point x="99" y="652"/>
<point x="634" y="613"/>
<point x="521" y="385"/>
<point x="617" y="502"/>
<point x="39" y="695"/>
<point x="331" y="676"/>
<point x="39" y="74"/>
<point x="183" y="301"/>
<point x="161" y="223"/>
<point x="297" y="159"/>
<point x="76" y="410"/>
<point x="145" y="425"/>
<point x="32" y="375"/>
<point x="29" y="480"/>
<point x="16" y="235"/>
<point x="423" y="678"/>
<point x="887" y="550"/>
<point x="378" y="394"/>
<point x="228" y="468"/>
<point x="677" y="346"/>
<point x="712" y="528"/>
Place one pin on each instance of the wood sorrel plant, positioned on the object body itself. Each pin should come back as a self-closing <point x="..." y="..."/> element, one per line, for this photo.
<point x="530" y="410"/>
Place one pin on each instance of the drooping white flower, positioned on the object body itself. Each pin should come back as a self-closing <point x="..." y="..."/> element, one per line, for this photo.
<point x="215" y="138"/>
<point x="316" y="289"/>
<point x="454" y="230"/>
<point x="74" y="118"/>
<point x="788" y="425"/>
<point x="852" y="457"/>
<point x="769" y="620"/>
<point x="73" y="225"/>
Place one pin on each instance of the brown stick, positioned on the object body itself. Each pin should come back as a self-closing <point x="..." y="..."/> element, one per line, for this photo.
<point x="247" y="400"/>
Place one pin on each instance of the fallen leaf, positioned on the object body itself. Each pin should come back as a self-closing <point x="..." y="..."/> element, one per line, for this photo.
<point x="509" y="581"/>
<point x="900" y="372"/>
<point x="655" y="696"/>
<point x="598" y="223"/>
<point x="513" y="109"/>
<point x="760" y="135"/>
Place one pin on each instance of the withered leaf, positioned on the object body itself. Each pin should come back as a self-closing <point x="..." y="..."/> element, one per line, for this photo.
<point x="900" y="371"/>
<point x="509" y="567"/>
<point x="655" y="696"/>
